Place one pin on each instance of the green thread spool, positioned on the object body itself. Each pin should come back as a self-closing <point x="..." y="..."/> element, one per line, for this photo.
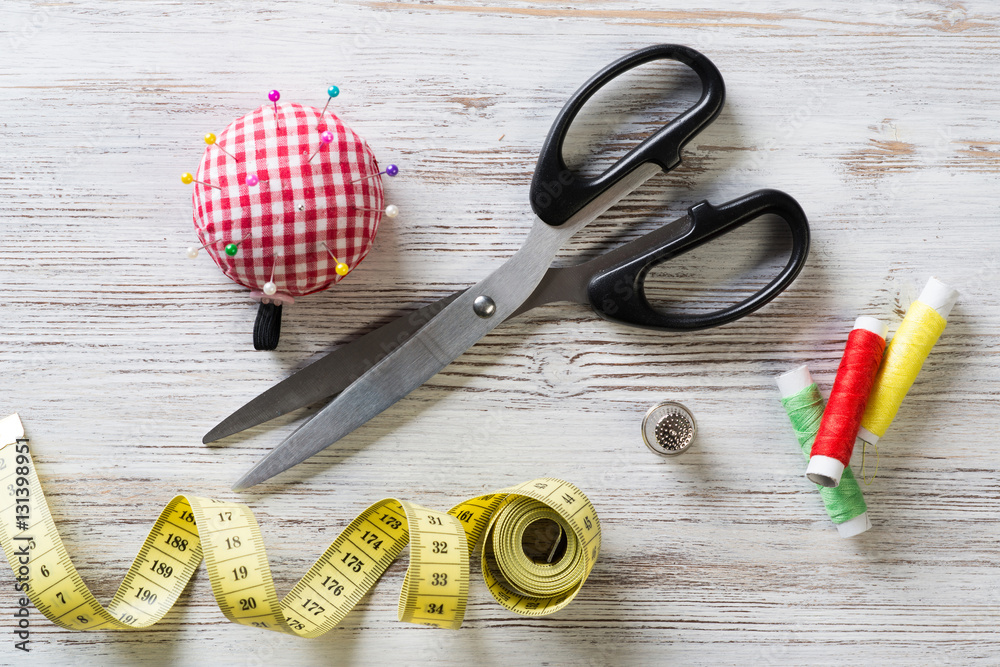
<point x="844" y="503"/>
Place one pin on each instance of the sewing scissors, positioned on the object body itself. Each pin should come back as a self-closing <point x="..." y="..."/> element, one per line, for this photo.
<point x="372" y="373"/>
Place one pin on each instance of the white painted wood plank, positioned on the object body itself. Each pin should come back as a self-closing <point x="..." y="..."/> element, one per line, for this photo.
<point x="119" y="353"/>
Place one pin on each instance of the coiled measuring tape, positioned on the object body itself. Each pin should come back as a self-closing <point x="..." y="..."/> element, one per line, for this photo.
<point x="435" y="588"/>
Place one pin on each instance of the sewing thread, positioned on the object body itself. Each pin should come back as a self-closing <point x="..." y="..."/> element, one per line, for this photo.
<point x="905" y="356"/>
<point x="834" y="444"/>
<point x="805" y="410"/>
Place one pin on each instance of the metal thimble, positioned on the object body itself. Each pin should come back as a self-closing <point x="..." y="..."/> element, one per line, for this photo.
<point x="668" y="428"/>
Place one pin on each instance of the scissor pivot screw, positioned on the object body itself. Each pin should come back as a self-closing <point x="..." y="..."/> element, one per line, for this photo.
<point x="484" y="306"/>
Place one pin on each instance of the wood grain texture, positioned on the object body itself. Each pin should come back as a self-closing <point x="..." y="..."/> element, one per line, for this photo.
<point x="120" y="353"/>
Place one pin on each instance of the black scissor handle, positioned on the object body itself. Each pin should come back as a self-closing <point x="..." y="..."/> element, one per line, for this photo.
<point x="557" y="193"/>
<point x="618" y="292"/>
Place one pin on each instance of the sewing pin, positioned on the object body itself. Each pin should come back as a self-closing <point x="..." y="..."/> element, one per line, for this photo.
<point x="274" y="96"/>
<point x="252" y="180"/>
<point x="269" y="287"/>
<point x="188" y="179"/>
<point x="340" y="268"/>
<point x="210" y="140"/>
<point x="192" y="251"/>
<point x="391" y="170"/>
<point x="331" y="92"/>
<point x="391" y="211"/>
<point x="233" y="248"/>
<point x="325" y="139"/>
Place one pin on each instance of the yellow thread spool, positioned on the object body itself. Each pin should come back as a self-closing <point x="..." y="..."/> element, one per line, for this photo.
<point x="918" y="332"/>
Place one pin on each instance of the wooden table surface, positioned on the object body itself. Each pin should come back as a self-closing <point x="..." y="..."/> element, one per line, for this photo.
<point x="119" y="353"/>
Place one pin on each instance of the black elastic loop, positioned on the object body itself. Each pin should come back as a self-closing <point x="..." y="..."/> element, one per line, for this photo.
<point x="618" y="293"/>
<point x="267" y="326"/>
<point x="557" y="193"/>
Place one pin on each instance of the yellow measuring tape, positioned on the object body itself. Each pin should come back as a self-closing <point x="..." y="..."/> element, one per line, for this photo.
<point x="435" y="588"/>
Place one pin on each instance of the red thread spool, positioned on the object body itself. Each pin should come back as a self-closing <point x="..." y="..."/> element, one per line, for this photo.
<point x="834" y="444"/>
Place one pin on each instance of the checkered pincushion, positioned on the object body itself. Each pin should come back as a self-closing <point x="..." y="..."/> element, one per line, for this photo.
<point x="281" y="222"/>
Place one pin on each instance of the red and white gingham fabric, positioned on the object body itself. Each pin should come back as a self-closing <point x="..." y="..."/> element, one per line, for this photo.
<point x="281" y="222"/>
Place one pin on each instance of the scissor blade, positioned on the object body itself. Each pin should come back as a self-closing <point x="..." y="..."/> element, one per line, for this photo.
<point x="327" y="376"/>
<point x="434" y="346"/>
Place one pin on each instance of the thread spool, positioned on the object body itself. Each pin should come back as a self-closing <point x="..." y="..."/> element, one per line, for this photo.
<point x="920" y="329"/>
<point x="838" y="430"/>
<point x="845" y="504"/>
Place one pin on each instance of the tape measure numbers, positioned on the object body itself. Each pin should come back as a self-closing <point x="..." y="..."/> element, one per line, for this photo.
<point x="435" y="588"/>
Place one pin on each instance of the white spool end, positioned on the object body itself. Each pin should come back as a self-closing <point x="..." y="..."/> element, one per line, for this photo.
<point x="824" y="470"/>
<point x="855" y="526"/>
<point x="867" y="436"/>
<point x="876" y="326"/>
<point x="939" y="296"/>
<point x="794" y="381"/>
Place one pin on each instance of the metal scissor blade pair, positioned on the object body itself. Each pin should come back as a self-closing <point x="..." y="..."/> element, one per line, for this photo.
<point x="439" y="342"/>
<point x="327" y="376"/>
<point x="332" y="373"/>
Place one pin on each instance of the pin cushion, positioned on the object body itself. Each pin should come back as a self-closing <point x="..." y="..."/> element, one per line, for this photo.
<point x="287" y="201"/>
